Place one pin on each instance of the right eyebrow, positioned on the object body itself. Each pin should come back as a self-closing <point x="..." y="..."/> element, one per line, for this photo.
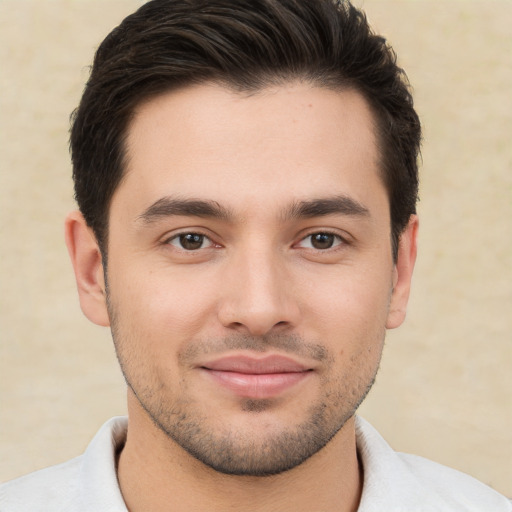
<point x="175" y="206"/>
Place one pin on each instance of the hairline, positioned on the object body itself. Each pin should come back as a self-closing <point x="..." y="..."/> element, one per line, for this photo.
<point x="267" y="83"/>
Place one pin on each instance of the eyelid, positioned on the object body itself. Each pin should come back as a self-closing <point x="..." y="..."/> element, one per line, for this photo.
<point x="168" y="238"/>
<point x="343" y="239"/>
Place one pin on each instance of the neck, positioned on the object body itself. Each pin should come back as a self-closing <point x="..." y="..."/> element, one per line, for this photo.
<point x="156" y="474"/>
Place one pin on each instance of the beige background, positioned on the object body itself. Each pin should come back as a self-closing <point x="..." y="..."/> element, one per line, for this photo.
<point x="445" y="387"/>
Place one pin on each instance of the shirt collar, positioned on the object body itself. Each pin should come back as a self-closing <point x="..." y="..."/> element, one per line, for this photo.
<point x="100" y="487"/>
<point x="399" y="482"/>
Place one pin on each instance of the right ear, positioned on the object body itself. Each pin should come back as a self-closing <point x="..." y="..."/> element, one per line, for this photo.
<point x="87" y="263"/>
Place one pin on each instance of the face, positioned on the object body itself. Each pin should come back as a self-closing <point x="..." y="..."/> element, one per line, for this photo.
<point x="250" y="271"/>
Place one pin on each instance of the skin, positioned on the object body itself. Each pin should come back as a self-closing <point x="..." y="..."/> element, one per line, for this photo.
<point x="255" y="283"/>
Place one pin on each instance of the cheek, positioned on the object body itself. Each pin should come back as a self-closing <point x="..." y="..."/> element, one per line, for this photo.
<point x="350" y="310"/>
<point x="162" y="307"/>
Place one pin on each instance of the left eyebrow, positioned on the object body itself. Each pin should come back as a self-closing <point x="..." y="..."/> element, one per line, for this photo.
<point x="175" y="206"/>
<point x="336" y="205"/>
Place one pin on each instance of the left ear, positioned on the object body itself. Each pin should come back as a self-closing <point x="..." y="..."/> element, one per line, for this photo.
<point x="402" y="273"/>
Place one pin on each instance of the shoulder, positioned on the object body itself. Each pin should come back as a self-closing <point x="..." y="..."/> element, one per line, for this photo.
<point x="83" y="484"/>
<point x="53" y="488"/>
<point x="407" y="482"/>
<point x="457" y="490"/>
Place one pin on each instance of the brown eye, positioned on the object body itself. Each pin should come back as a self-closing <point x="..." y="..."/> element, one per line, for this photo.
<point x="190" y="241"/>
<point x="322" y="240"/>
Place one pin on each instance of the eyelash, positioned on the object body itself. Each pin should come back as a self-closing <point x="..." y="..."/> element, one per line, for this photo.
<point x="179" y="236"/>
<point x="338" y="240"/>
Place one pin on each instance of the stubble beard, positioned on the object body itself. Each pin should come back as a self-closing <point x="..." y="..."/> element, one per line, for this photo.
<point x="231" y="451"/>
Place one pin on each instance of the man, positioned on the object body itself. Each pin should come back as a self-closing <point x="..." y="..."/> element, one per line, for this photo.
<point x="246" y="176"/>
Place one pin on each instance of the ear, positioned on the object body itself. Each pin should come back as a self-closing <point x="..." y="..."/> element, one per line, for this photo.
<point x="402" y="274"/>
<point x="88" y="266"/>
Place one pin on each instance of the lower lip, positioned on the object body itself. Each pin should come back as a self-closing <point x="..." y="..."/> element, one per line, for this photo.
<point x="257" y="386"/>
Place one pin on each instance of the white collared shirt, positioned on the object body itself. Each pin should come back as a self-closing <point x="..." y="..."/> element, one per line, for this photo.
<point x="393" y="482"/>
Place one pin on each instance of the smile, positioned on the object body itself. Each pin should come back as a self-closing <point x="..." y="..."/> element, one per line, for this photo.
<point x="256" y="378"/>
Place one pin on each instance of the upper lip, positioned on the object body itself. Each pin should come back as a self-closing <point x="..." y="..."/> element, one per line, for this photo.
<point x="255" y="365"/>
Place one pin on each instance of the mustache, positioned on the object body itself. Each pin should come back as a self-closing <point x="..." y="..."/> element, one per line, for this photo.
<point x="291" y="344"/>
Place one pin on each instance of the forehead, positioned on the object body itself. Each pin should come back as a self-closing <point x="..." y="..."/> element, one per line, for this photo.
<point x="279" y="144"/>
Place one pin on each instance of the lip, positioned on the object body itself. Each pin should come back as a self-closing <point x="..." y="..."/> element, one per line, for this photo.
<point x="256" y="365"/>
<point x="256" y="378"/>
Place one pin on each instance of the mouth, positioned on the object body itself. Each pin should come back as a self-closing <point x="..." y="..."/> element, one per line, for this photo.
<point x="256" y="378"/>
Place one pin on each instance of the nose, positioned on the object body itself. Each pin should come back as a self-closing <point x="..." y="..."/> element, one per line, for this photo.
<point x="257" y="295"/>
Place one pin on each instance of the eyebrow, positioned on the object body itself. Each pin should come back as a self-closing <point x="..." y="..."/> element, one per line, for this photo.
<point x="171" y="206"/>
<point x="336" y="205"/>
